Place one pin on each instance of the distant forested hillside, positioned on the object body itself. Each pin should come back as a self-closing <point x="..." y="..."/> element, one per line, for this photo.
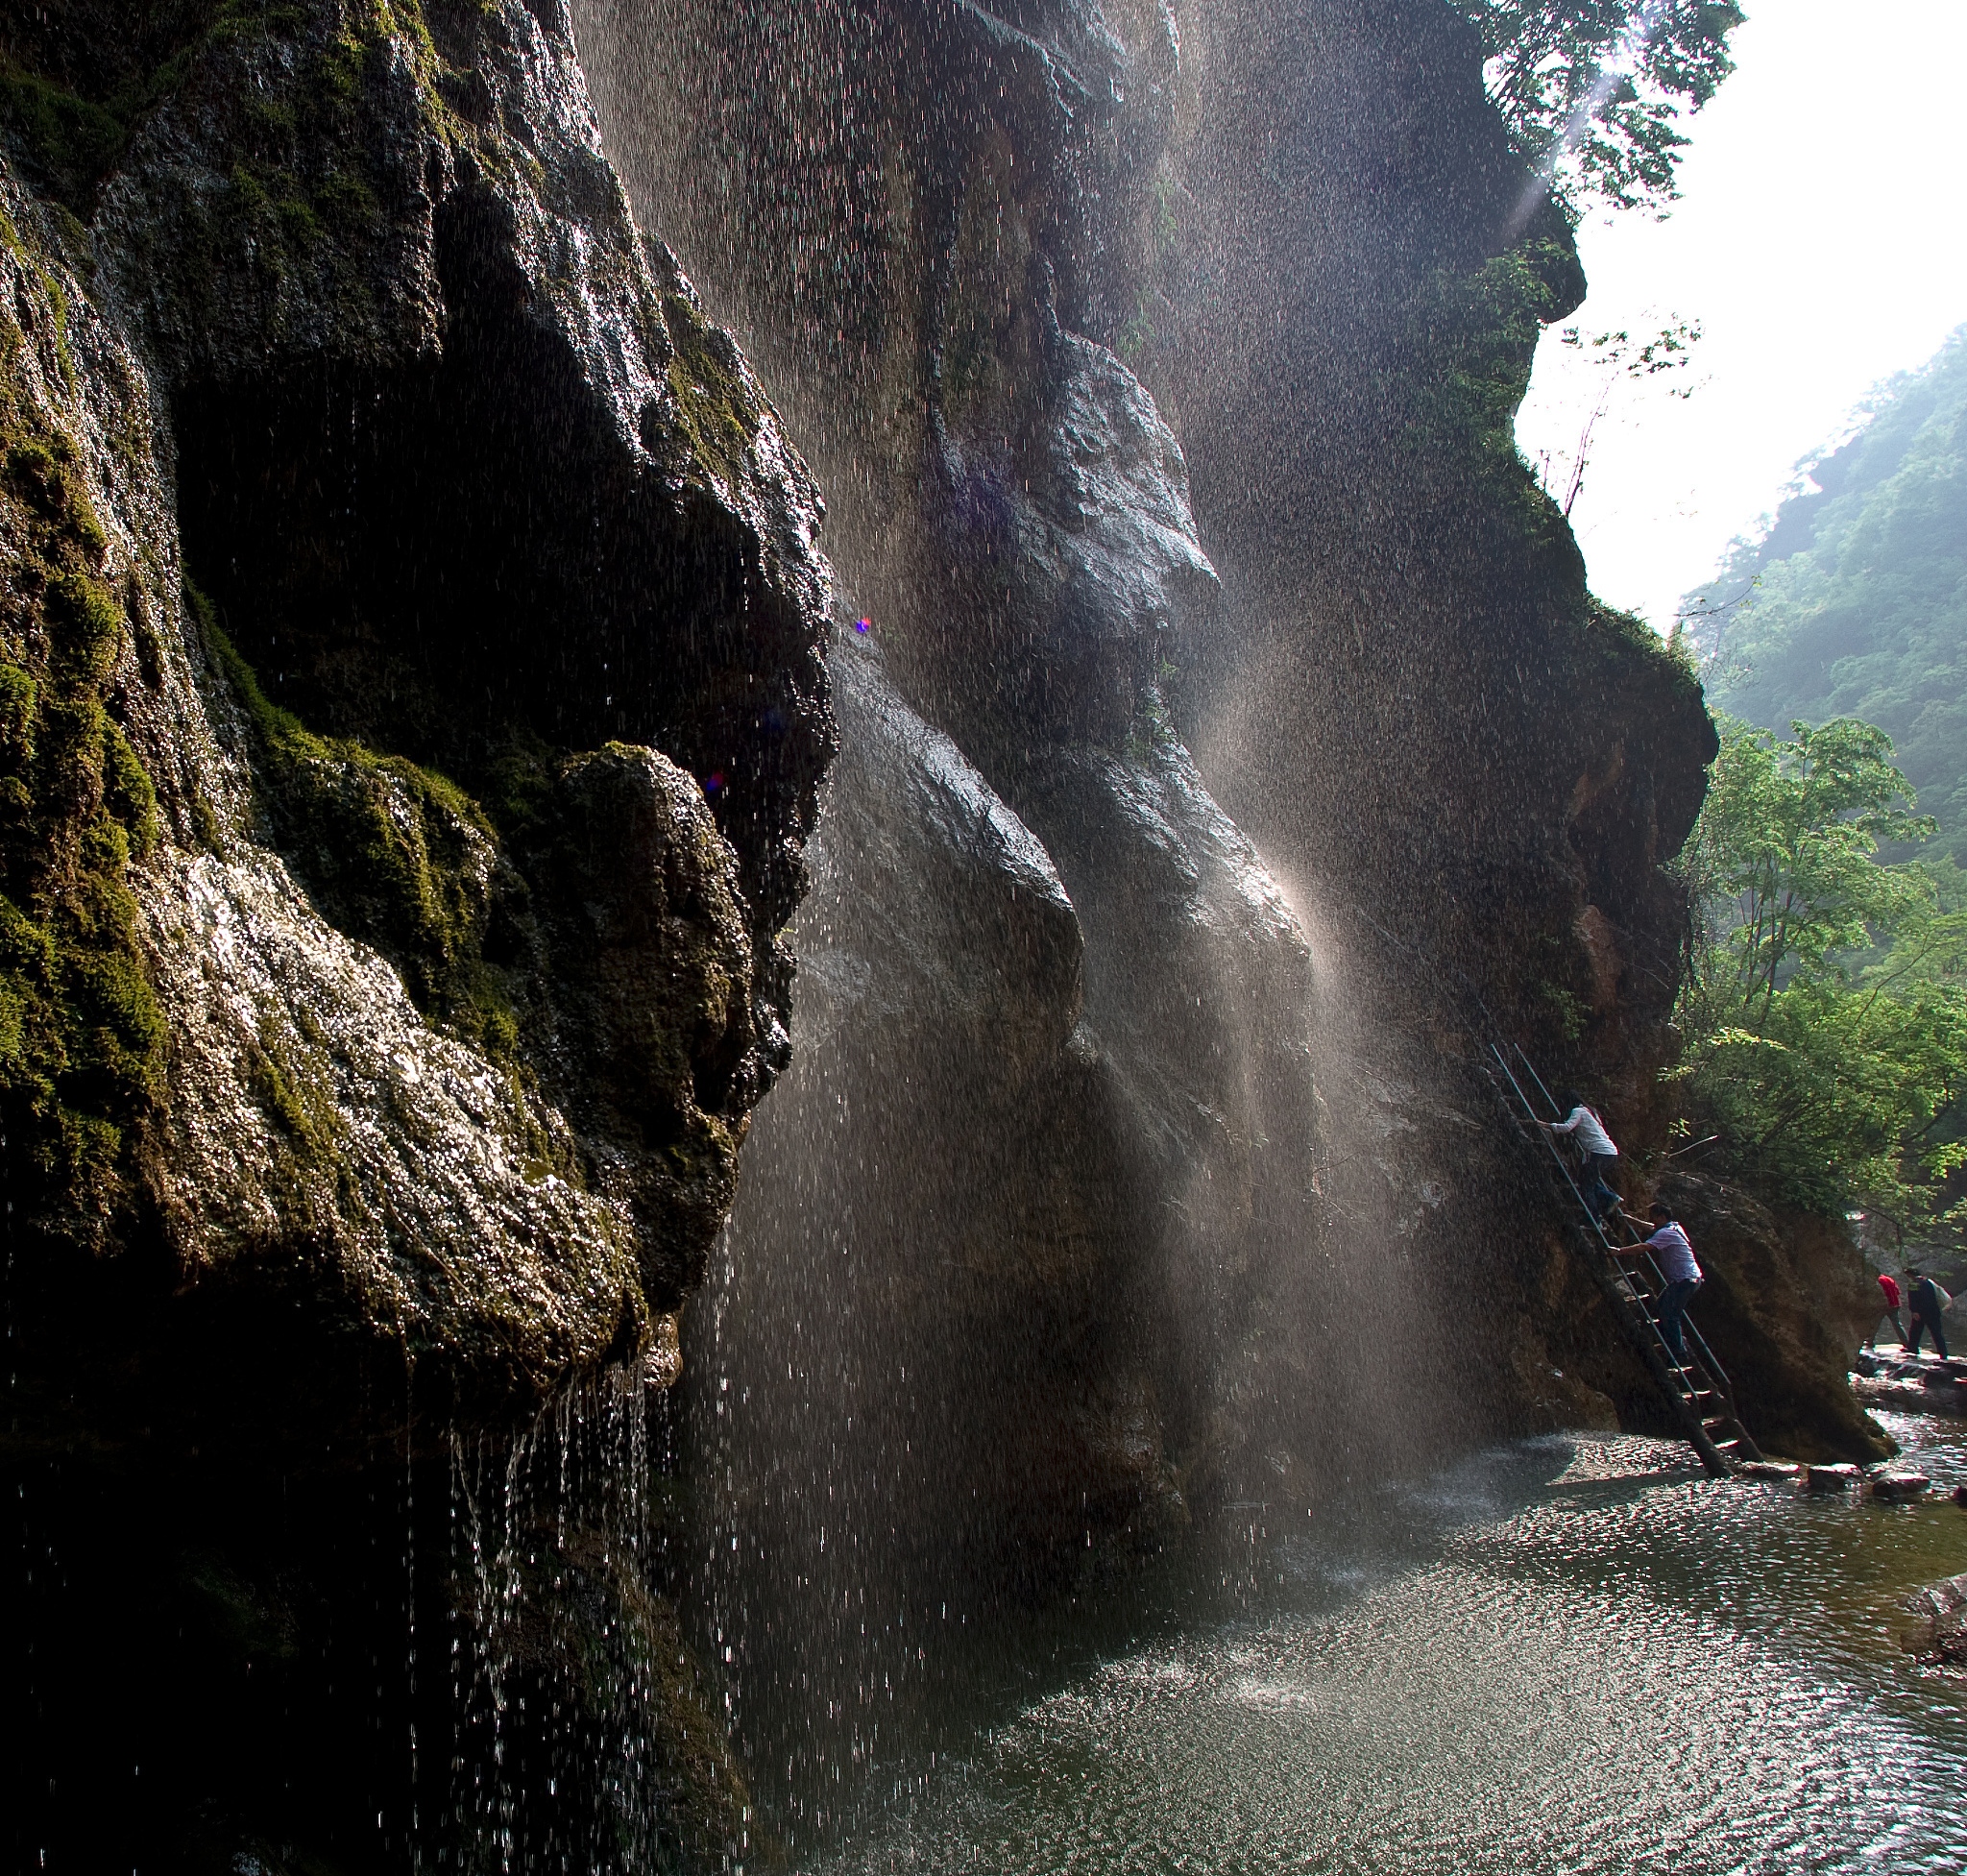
<point x="1855" y="603"/>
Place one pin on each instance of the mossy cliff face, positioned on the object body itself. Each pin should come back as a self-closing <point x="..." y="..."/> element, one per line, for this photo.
<point x="411" y="715"/>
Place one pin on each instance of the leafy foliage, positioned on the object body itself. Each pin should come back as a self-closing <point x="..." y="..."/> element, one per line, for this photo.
<point x="1825" y="1004"/>
<point x="1593" y="91"/>
<point x="1855" y="602"/>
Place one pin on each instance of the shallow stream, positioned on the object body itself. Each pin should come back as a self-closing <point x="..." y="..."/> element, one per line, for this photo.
<point x="1568" y="1655"/>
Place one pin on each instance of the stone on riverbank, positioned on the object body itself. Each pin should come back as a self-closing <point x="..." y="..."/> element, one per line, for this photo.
<point x="1899" y="1488"/>
<point x="1909" y="1383"/>
<point x="1938" y="1635"/>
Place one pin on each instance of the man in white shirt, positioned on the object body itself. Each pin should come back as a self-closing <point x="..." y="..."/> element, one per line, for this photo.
<point x="1600" y="1155"/>
<point x="1674" y="1253"/>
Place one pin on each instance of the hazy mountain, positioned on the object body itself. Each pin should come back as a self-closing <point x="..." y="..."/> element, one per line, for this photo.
<point x="1855" y="600"/>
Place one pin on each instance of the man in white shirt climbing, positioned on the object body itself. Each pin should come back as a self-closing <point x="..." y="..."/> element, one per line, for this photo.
<point x="1674" y="1253"/>
<point x="1600" y="1155"/>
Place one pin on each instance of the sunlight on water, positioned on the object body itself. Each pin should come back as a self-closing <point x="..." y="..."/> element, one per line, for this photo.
<point x="1610" y="1665"/>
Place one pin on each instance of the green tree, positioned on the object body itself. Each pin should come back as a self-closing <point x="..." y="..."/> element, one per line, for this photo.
<point x="1824" y="1011"/>
<point x="1593" y="91"/>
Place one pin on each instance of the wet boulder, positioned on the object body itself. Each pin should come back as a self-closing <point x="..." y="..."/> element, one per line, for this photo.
<point x="1937" y="1636"/>
<point x="1899" y="1487"/>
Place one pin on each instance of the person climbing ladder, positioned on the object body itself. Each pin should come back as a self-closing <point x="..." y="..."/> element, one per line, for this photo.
<point x="1674" y="1251"/>
<point x="1599" y="1154"/>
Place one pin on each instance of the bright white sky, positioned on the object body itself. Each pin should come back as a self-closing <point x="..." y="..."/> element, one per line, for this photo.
<point x="1820" y="242"/>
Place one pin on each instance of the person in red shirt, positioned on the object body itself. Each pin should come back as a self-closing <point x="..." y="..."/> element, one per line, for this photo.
<point x="1891" y="1287"/>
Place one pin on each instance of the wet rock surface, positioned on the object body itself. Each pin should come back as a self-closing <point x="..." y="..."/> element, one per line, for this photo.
<point x="1920" y="1384"/>
<point x="1900" y="1487"/>
<point x="1938" y="1635"/>
<point x="1837" y="1476"/>
<point x="415" y="710"/>
<point x="420" y="506"/>
<point x="1404" y="697"/>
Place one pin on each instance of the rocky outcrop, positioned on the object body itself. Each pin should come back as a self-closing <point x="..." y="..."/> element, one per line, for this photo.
<point x="1908" y="1384"/>
<point x="1787" y="1300"/>
<point x="416" y="712"/>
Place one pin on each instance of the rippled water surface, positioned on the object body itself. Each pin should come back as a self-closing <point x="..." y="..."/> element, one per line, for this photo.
<point x="1567" y="1656"/>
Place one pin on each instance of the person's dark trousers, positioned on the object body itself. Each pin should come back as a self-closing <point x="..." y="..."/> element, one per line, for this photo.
<point x="1673" y="1302"/>
<point x="1598" y="1195"/>
<point x="1898" y="1328"/>
<point x="1921" y="1322"/>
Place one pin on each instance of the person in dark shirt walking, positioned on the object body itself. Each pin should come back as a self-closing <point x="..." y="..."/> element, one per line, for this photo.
<point x="1674" y="1251"/>
<point x="1928" y="1299"/>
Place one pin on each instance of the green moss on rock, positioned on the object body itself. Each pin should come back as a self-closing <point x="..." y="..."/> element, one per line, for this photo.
<point x="398" y="856"/>
<point x="720" y="415"/>
<point x="82" y="1038"/>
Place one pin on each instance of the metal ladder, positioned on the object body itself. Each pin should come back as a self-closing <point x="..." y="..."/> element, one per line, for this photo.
<point x="1698" y="1392"/>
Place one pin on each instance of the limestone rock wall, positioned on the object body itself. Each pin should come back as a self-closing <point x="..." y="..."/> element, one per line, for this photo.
<point x="1039" y="315"/>
<point x="414" y="649"/>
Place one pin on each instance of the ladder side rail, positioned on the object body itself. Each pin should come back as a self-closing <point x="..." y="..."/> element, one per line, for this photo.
<point x="1639" y="1244"/>
<point x="1653" y="1269"/>
<point x="1549" y="1098"/>
<point x="1550" y="1140"/>
<point x="1708" y="1361"/>
<point x="1702" y="1355"/>
<point x="1612" y="1281"/>
<point x="1658" y="1276"/>
<point x="1643" y="1332"/>
<point x="1689" y="1327"/>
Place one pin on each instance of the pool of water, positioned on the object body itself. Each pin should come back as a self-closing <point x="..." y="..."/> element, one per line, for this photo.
<point x="1575" y="1655"/>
